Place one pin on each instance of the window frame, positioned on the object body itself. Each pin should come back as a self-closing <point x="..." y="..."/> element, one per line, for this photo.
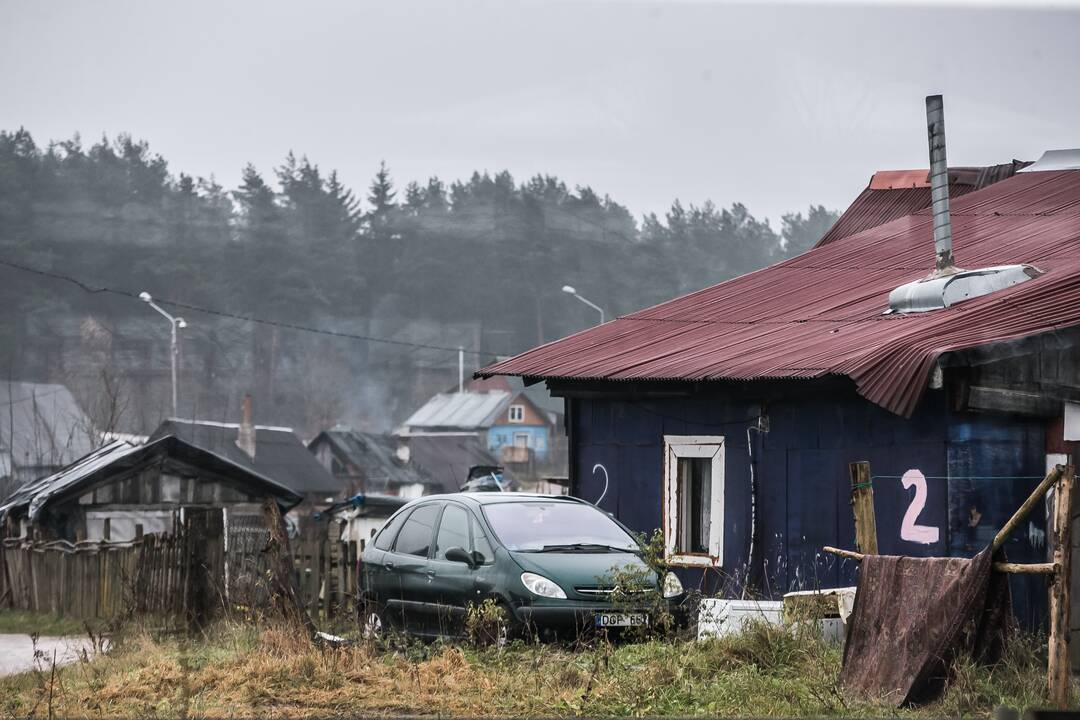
<point x="390" y="531"/>
<point x="434" y="529"/>
<point x="434" y="555"/>
<point x="520" y="408"/>
<point x="693" y="446"/>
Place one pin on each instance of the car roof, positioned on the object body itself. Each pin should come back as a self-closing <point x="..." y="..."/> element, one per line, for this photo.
<point x="488" y="498"/>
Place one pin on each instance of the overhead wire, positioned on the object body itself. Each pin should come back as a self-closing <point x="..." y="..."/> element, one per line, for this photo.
<point x="87" y="287"/>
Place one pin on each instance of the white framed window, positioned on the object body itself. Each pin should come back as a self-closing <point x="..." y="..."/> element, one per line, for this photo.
<point x="517" y="413"/>
<point x="694" y="500"/>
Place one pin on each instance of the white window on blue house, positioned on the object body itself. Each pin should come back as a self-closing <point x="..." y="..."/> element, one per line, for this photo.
<point x="693" y="522"/>
<point x="517" y="413"/>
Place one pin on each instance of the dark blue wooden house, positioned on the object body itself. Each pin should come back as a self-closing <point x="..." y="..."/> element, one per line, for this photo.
<point x="727" y="418"/>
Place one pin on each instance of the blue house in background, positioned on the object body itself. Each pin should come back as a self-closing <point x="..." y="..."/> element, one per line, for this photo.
<point x="515" y="426"/>
<point x="727" y="418"/>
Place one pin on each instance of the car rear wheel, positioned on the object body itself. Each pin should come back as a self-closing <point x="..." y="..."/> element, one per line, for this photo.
<point x="374" y="621"/>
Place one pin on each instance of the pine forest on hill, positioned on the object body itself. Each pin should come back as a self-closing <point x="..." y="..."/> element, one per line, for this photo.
<point x="433" y="265"/>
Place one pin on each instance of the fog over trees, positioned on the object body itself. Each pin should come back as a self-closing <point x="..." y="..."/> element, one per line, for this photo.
<point x="476" y="262"/>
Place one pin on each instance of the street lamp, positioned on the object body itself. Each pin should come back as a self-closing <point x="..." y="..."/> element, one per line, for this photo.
<point x="175" y="323"/>
<point x="569" y="290"/>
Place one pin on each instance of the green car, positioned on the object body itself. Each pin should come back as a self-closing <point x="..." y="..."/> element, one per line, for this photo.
<point x="546" y="561"/>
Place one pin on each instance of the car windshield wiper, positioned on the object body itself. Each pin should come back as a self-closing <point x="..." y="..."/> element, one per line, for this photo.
<point x="585" y="548"/>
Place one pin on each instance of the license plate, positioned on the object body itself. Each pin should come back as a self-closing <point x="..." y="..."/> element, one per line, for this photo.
<point x="621" y="620"/>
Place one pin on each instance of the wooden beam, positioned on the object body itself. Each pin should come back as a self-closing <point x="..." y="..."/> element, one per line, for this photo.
<point x="1029" y="568"/>
<point x="1058" y="668"/>
<point x="1018" y="517"/>
<point x="1018" y="402"/>
<point x="862" y="505"/>
<point x="844" y="553"/>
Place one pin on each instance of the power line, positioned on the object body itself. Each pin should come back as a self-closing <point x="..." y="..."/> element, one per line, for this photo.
<point x="86" y="287"/>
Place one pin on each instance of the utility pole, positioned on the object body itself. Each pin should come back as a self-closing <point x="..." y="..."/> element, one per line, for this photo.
<point x="175" y="323"/>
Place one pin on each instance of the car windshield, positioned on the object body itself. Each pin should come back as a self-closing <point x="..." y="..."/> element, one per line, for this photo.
<point x="556" y="527"/>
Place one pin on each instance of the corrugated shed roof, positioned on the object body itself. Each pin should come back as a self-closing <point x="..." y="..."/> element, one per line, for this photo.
<point x="449" y="457"/>
<point x="374" y="456"/>
<point x="43" y="424"/>
<point x="119" y="456"/>
<point x="279" y="453"/>
<point x="893" y="194"/>
<point x="464" y="411"/>
<point x="820" y="313"/>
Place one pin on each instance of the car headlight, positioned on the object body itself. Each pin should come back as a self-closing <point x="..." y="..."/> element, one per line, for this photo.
<point x="540" y="585"/>
<point x="672" y="585"/>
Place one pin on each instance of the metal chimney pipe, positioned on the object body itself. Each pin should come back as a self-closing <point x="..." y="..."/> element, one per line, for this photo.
<point x="245" y="434"/>
<point x="939" y="185"/>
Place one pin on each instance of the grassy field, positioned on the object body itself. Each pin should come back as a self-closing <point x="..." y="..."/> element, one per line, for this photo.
<point x="270" y="671"/>
<point x="14" y="621"/>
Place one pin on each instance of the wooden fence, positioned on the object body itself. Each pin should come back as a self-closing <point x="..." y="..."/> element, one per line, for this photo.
<point x="63" y="580"/>
<point x="194" y="574"/>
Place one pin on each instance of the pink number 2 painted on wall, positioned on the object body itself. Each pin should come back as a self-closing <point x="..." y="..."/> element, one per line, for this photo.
<point x="922" y="534"/>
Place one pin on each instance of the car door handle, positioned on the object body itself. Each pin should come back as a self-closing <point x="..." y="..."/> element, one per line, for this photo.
<point x="388" y="565"/>
<point x="431" y="573"/>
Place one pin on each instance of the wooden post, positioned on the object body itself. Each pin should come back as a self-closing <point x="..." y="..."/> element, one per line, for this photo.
<point x="1058" y="669"/>
<point x="862" y="504"/>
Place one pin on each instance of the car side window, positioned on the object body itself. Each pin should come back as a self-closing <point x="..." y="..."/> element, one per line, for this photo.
<point x="480" y="541"/>
<point x="415" y="535"/>
<point x="385" y="539"/>
<point x="453" y="531"/>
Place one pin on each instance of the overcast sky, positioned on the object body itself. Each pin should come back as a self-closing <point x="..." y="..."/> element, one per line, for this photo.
<point x="777" y="106"/>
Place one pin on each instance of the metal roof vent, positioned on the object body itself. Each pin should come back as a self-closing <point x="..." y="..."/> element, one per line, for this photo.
<point x="935" y="293"/>
<point x="1056" y="160"/>
<point x="948" y="284"/>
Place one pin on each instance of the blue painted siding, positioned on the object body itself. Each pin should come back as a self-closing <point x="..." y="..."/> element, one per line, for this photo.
<point x="499" y="435"/>
<point x="986" y="454"/>
<point x="802" y="473"/>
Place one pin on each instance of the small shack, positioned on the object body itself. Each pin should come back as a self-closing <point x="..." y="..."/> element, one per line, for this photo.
<point x="271" y="451"/>
<point x="123" y="490"/>
<point x="371" y="463"/>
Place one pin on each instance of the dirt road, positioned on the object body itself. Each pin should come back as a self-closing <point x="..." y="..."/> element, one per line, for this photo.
<point x="17" y="652"/>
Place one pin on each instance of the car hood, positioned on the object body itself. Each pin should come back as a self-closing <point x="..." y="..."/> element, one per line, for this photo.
<point x="571" y="570"/>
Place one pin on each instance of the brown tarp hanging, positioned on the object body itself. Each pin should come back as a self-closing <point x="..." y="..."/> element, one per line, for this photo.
<point x="913" y="616"/>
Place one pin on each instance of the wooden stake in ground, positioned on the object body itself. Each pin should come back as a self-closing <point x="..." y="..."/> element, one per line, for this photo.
<point x="862" y="504"/>
<point x="1058" y="668"/>
<point x="283" y="592"/>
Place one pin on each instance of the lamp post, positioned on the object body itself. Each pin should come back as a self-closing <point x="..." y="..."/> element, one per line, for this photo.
<point x="176" y="323"/>
<point x="569" y="290"/>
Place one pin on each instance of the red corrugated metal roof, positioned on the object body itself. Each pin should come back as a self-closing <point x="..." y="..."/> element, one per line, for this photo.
<point x="893" y="194"/>
<point x="900" y="179"/>
<point x="821" y="313"/>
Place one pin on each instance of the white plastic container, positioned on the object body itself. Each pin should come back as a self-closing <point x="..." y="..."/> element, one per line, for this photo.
<point x="718" y="617"/>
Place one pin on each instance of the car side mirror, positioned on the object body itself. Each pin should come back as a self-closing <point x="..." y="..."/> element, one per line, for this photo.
<point x="478" y="558"/>
<point x="457" y="554"/>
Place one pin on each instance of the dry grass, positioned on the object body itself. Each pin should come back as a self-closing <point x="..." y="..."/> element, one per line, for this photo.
<point x="273" y="672"/>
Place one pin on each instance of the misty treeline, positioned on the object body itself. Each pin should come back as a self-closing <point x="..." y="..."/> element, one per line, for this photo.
<point x="484" y="257"/>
